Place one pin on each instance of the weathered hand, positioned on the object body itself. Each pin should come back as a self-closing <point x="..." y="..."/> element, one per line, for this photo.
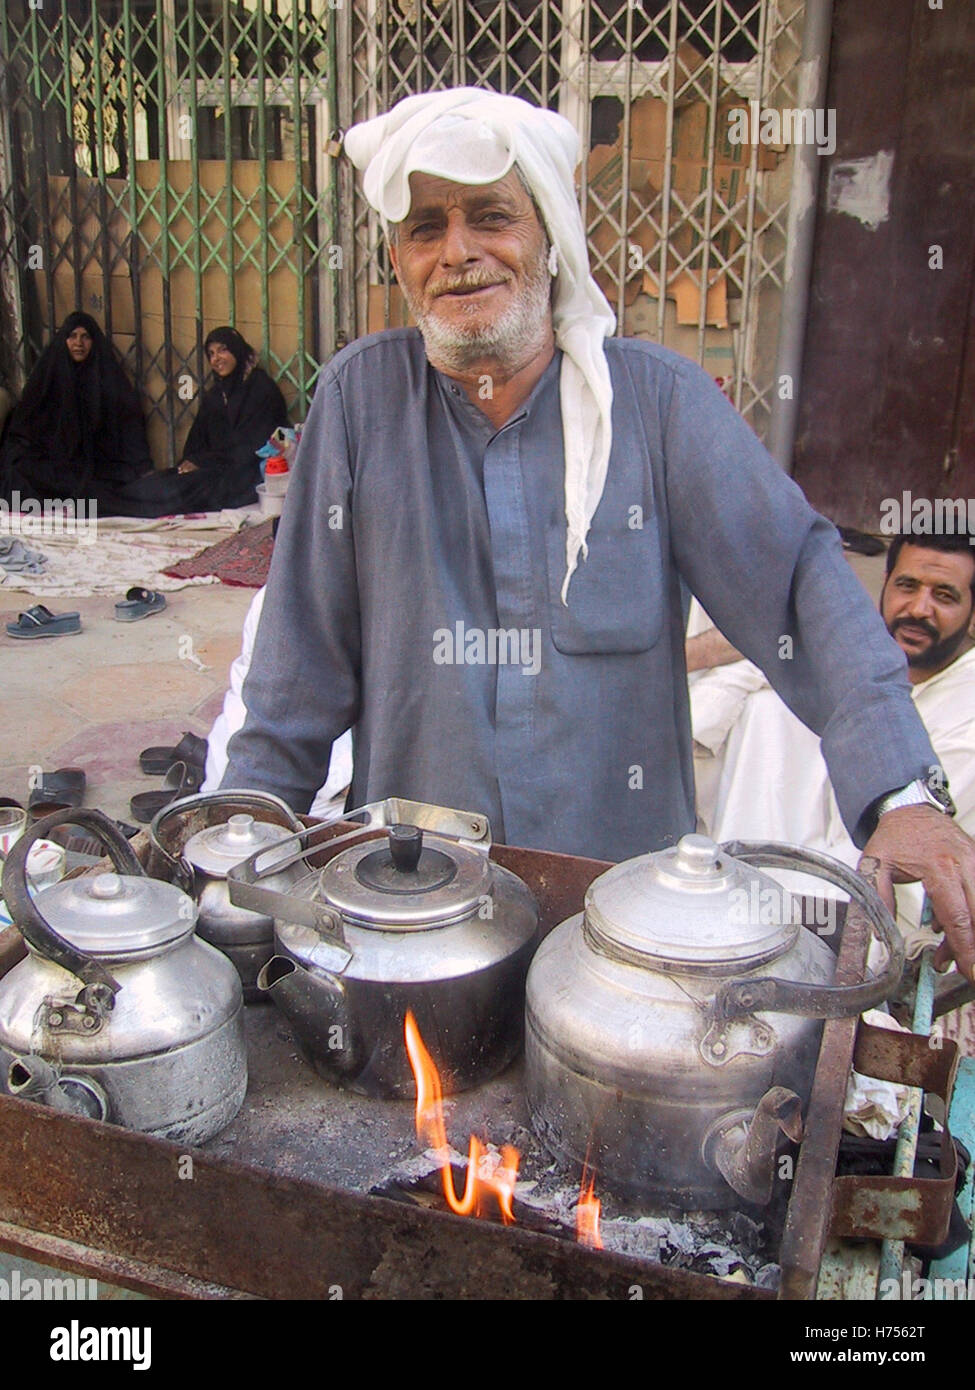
<point x="918" y="842"/>
<point x="187" y="466"/>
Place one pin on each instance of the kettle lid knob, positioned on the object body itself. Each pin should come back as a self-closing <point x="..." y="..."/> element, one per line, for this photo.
<point x="106" y="886"/>
<point x="405" y="847"/>
<point x="696" y="854"/>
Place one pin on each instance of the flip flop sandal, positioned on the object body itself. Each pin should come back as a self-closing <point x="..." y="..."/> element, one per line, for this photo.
<point x="76" y="840"/>
<point x="139" y="603"/>
<point x="190" y="749"/>
<point x="41" y="622"/>
<point x="179" y="782"/>
<point x="57" y="791"/>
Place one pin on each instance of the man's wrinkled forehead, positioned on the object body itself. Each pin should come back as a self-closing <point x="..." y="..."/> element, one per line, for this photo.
<point x="431" y="193"/>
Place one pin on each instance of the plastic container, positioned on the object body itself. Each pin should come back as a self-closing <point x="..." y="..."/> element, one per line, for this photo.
<point x="276" y="476"/>
<point x="271" y="503"/>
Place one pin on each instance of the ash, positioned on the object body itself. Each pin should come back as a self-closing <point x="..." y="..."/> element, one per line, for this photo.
<point x="727" y="1244"/>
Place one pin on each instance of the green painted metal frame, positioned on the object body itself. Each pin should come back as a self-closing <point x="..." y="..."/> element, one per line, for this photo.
<point x="868" y="1270"/>
<point x="68" y="69"/>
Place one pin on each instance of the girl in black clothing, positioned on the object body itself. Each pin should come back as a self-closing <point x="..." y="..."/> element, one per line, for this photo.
<point x="236" y="417"/>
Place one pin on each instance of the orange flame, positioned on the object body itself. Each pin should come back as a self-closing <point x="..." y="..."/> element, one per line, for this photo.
<point x="587" y="1214"/>
<point x="483" y="1175"/>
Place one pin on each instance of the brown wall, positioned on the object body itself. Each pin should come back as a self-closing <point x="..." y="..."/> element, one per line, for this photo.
<point x="888" y="399"/>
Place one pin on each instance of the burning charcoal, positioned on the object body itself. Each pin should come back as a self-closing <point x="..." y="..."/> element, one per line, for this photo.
<point x="636" y="1238"/>
<point x="769" y="1277"/>
<point x="745" y="1231"/>
<point x="680" y="1238"/>
<point x="412" y="1170"/>
<point x="720" y="1260"/>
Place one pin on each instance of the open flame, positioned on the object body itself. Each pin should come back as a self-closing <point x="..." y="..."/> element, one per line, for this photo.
<point x="484" y="1174"/>
<point x="587" y="1213"/>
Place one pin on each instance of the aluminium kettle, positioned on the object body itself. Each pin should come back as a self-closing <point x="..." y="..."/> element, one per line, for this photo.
<point x="119" y="1012"/>
<point x="672" y="1027"/>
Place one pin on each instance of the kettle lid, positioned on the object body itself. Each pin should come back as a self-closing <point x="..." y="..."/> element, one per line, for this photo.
<point x="690" y="907"/>
<point x="220" y="847"/>
<point x="111" y="914"/>
<point x="405" y="882"/>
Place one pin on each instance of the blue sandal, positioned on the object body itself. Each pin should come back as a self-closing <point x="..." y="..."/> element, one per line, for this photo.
<point x="139" y="603"/>
<point x="41" y="622"/>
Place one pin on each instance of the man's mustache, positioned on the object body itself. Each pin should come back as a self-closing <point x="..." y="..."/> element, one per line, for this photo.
<point x="927" y="628"/>
<point x="474" y="281"/>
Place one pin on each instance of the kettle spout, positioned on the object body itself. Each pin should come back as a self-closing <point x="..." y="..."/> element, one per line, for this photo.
<point x="32" y="1078"/>
<point x="742" y="1145"/>
<point x="315" y="1006"/>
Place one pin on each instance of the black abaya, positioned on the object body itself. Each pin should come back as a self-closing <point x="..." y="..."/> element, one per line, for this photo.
<point x="231" y="425"/>
<point x="77" y="429"/>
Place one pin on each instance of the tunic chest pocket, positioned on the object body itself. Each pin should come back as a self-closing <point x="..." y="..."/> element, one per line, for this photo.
<point x="615" y="596"/>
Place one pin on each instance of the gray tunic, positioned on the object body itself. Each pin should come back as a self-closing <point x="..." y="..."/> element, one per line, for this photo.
<point x="414" y="595"/>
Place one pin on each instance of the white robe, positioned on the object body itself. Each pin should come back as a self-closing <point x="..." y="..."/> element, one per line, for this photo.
<point x="760" y="776"/>
<point x="330" y="798"/>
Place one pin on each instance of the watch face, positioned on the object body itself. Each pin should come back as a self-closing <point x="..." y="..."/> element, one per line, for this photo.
<point x="940" y="795"/>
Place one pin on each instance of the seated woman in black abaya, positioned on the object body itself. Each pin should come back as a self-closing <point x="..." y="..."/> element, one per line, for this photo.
<point x="236" y="417"/>
<point x="77" y="432"/>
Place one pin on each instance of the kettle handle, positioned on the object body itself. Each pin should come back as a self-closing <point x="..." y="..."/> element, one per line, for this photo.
<point x="737" y="998"/>
<point x="23" y="909"/>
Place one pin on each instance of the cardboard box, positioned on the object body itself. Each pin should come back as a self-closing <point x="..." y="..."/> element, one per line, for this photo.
<point x="93" y="300"/>
<point x="689" y="173"/>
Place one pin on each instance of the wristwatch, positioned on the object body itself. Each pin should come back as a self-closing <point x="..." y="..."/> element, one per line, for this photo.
<point x="918" y="793"/>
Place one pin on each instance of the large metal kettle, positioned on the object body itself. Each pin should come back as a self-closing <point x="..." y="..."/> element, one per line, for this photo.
<point x="672" y="1028"/>
<point x="415" y="918"/>
<point x="196" y="841"/>
<point x="119" y="1012"/>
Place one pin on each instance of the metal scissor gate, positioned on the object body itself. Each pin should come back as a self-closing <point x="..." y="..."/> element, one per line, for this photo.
<point x="169" y="165"/>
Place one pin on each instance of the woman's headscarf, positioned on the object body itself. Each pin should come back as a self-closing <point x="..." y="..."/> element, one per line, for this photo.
<point x="66" y="405"/>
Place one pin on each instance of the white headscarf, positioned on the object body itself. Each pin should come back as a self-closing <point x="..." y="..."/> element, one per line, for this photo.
<point x="475" y="137"/>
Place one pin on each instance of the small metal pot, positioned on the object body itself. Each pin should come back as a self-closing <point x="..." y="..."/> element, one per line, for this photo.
<point x="419" y="920"/>
<point x="119" y="1012"/>
<point x="196" y="841"/>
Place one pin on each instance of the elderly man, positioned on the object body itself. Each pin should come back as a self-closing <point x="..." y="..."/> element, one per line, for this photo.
<point x="495" y="519"/>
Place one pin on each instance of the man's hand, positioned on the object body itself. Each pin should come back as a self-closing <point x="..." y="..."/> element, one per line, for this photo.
<point x="187" y="466"/>
<point x="919" y="843"/>
<point x="708" y="649"/>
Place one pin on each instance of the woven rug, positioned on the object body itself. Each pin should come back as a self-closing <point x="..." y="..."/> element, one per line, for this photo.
<point x="242" y="559"/>
<point x="112" y="553"/>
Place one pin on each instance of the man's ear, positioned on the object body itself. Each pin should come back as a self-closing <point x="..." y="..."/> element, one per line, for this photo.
<point x="393" y="250"/>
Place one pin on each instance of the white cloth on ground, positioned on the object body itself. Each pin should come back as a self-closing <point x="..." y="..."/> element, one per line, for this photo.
<point x="90" y="555"/>
<point x="330" y="798"/>
<point x="475" y="137"/>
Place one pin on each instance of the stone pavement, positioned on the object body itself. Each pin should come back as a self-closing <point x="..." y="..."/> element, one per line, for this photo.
<point x="95" y="700"/>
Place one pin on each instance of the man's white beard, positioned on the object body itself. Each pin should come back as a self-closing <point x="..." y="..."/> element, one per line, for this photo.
<point x="517" y="335"/>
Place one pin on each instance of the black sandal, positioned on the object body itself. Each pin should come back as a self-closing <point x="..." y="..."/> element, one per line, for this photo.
<point x="181" y="780"/>
<point x="191" y="749"/>
<point x="57" y="791"/>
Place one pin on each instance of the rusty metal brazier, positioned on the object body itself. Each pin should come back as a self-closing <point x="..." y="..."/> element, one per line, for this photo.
<point x="119" y="1012"/>
<point x="420" y="919"/>
<point x="672" y="1028"/>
